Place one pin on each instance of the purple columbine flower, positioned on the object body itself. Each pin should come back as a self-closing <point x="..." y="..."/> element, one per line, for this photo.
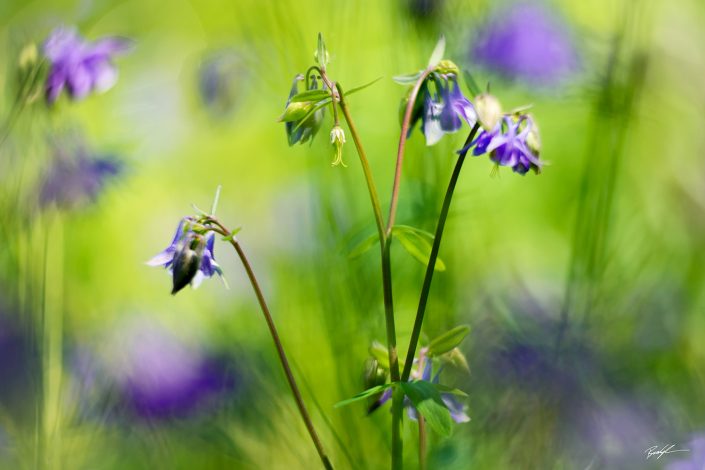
<point x="423" y="372"/>
<point x="80" y="66"/>
<point x="525" y="41"/>
<point x="443" y="111"/>
<point x="189" y="258"/>
<point x="510" y="143"/>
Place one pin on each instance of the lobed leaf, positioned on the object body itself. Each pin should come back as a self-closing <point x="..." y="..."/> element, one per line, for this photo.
<point x="427" y="401"/>
<point x="417" y="244"/>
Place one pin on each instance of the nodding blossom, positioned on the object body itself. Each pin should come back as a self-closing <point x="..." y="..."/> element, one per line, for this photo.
<point x="189" y="258"/>
<point x="422" y="371"/>
<point x="79" y="66"/>
<point x="443" y="110"/>
<point x="513" y="142"/>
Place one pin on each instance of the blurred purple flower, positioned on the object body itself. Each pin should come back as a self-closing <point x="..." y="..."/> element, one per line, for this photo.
<point x="696" y="455"/>
<point x="425" y="9"/>
<point x="161" y="377"/>
<point x="526" y="41"/>
<point x="70" y="183"/>
<point x="221" y="78"/>
<point x="80" y="66"/>
<point x="189" y="258"/>
<point x="509" y="144"/>
<point x="444" y="111"/>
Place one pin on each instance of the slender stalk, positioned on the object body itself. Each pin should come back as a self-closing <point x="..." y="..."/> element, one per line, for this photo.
<point x="422" y="442"/>
<point x="423" y="299"/>
<point x="277" y="342"/>
<point x="406" y="122"/>
<point x="385" y="245"/>
<point x="371" y="188"/>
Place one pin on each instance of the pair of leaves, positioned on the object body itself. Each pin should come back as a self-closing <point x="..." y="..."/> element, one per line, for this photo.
<point x="303" y="105"/>
<point x="424" y="396"/>
<point x="436" y="57"/>
<point x="415" y="241"/>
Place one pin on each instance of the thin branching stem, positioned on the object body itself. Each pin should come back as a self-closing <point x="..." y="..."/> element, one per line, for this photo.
<point x="426" y="288"/>
<point x="221" y="229"/>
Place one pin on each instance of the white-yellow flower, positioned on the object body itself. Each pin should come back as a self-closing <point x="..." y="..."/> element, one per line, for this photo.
<point x="337" y="138"/>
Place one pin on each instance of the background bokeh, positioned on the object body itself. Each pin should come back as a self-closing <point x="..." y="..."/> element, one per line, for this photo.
<point x="583" y="286"/>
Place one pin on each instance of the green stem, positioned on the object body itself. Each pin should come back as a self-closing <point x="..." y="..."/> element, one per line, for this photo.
<point x="406" y="122"/>
<point x="418" y="322"/>
<point x="371" y="188"/>
<point x="277" y="342"/>
<point x="385" y="245"/>
<point x="422" y="442"/>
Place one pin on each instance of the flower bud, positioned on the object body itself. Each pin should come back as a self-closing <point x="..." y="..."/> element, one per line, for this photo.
<point x="446" y="66"/>
<point x="374" y="375"/>
<point x="337" y="138"/>
<point x="187" y="261"/>
<point x="489" y="110"/>
<point x="28" y="56"/>
<point x="295" y="111"/>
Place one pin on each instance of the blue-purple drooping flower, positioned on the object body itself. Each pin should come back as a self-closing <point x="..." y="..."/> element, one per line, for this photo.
<point x="443" y="110"/>
<point x="513" y="142"/>
<point x="525" y="41"/>
<point x="422" y="371"/>
<point x="78" y="66"/>
<point x="189" y="258"/>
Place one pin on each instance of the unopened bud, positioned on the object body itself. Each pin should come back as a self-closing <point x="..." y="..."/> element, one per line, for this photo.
<point x="28" y="56"/>
<point x="446" y="66"/>
<point x="374" y="374"/>
<point x="187" y="261"/>
<point x="489" y="110"/>
<point x="295" y="111"/>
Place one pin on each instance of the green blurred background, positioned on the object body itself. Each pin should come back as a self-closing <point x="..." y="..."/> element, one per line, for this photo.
<point x="605" y="249"/>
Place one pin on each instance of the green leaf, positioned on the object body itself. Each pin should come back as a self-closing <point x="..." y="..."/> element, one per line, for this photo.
<point x="448" y="340"/>
<point x="471" y="83"/>
<point x="214" y="206"/>
<point x="416" y="243"/>
<point x="310" y="95"/>
<point x="362" y="87"/>
<point x="408" y="79"/>
<point x="427" y="401"/>
<point x="362" y="247"/>
<point x="450" y="390"/>
<point x="362" y="395"/>
<point x="414" y="230"/>
<point x="232" y="234"/>
<point x="438" y="52"/>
